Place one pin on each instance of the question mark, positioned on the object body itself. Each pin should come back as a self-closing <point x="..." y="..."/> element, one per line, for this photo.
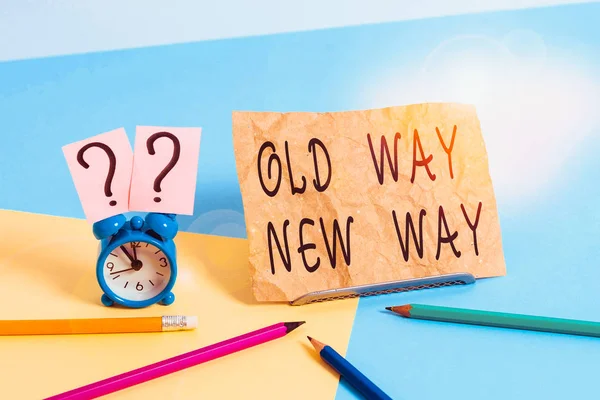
<point x="171" y="164"/>
<point x="111" y="169"/>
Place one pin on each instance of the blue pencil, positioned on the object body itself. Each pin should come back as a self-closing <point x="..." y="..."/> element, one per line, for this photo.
<point x="347" y="371"/>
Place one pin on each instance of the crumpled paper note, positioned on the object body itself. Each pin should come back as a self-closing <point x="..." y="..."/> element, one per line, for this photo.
<point x="329" y="204"/>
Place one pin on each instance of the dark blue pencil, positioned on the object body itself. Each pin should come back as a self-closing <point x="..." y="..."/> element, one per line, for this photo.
<point x="347" y="371"/>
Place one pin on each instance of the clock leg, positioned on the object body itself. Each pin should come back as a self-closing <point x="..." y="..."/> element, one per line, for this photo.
<point x="107" y="301"/>
<point x="168" y="299"/>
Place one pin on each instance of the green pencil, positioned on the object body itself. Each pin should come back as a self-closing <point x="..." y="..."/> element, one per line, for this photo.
<point x="498" y="319"/>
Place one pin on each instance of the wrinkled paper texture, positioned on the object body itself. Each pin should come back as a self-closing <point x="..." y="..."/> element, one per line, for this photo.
<point x="354" y="190"/>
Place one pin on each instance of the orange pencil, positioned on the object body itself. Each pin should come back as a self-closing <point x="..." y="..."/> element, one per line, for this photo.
<point x="98" y="325"/>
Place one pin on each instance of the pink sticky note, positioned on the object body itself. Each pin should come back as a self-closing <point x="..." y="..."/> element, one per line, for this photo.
<point x="101" y="170"/>
<point x="165" y="165"/>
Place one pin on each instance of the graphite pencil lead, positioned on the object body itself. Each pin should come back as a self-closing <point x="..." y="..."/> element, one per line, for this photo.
<point x="389" y="308"/>
<point x="292" y="325"/>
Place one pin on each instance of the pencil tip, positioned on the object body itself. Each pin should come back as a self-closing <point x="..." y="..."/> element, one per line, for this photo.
<point x="316" y="344"/>
<point x="389" y="308"/>
<point x="402" y="310"/>
<point x="292" y="325"/>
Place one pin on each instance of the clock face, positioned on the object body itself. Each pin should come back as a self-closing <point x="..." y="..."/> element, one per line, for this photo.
<point x="137" y="271"/>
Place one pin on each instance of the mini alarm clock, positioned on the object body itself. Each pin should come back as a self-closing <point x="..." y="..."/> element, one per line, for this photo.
<point x="136" y="259"/>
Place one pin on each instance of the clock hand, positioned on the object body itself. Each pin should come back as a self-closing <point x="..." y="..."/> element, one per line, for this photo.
<point x="134" y="252"/>
<point x="123" y="270"/>
<point x="127" y="254"/>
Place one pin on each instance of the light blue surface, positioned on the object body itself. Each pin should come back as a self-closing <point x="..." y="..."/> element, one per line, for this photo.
<point x="550" y="240"/>
<point x="552" y="256"/>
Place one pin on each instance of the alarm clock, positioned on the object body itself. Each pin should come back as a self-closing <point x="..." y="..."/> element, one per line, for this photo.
<point x="136" y="264"/>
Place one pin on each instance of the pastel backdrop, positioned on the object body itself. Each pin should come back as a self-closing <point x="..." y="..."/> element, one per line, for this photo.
<point x="534" y="76"/>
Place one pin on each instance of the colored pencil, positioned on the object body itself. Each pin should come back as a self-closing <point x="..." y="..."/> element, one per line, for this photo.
<point x="98" y="325"/>
<point x="498" y="319"/>
<point x="348" y="372"/>
<point x="178" y="363"/>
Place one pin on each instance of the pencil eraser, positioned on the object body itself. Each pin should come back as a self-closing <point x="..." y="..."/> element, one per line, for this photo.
<point x="192" y="322"/>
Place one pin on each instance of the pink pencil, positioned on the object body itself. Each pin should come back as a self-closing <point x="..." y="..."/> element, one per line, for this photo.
<point x="179" y="362"/>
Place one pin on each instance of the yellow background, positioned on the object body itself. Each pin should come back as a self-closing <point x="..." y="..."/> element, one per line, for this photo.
<point x="47" y="271"/>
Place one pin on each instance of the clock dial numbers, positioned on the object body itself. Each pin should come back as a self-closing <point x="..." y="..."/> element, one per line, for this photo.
<point x="140" y="271"/>
<point x="134" y="246"/>
<point x="110" y="266"/>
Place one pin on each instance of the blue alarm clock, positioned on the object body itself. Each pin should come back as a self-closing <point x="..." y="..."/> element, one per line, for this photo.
<point x="137" y="259"/>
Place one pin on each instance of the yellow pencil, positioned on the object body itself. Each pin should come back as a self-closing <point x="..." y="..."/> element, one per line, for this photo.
<point x="98" y="325"/>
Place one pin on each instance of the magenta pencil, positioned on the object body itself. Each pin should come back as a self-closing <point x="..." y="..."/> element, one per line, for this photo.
<point x="177" y="363"/>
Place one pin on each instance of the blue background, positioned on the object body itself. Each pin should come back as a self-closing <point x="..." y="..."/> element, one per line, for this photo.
<point x="551" y="246"/>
